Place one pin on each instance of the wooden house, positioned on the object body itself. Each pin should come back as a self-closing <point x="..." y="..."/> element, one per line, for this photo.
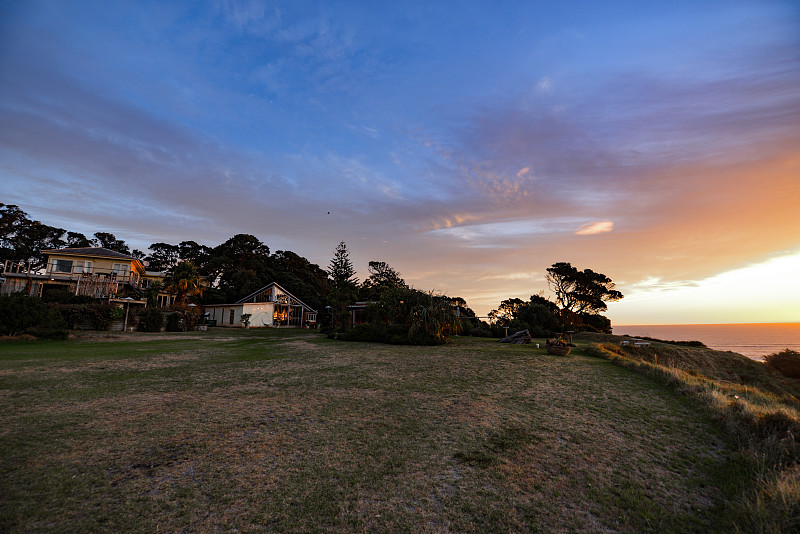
<point x="94" y="271"/>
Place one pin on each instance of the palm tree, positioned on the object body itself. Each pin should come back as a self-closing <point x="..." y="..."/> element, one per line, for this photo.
<point x="184" y="281"/>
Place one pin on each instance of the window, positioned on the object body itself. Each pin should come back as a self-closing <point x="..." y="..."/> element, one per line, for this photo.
<point x="232" y="312"/>
<point x="83" y="267"/>
<point x="62" y="266"/>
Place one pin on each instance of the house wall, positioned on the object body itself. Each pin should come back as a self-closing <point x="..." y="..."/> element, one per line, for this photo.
<point x="260" y="314"/>
<point x="222" y="314"/>
<point x="98" y="265"/>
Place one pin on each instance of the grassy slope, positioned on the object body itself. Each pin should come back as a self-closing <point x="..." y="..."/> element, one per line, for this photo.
<point x="287" y="431"/>
<point x="757" y="406"/>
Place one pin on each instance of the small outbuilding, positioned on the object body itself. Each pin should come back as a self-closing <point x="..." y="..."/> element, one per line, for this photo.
<point x="270" y="306"/>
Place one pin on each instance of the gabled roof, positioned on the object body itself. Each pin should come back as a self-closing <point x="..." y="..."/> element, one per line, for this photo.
<point x="100" y="252"/>
<point x="268" y="286"/>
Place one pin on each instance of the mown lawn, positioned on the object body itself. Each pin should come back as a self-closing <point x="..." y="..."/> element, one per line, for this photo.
<point x="286" y="431"/>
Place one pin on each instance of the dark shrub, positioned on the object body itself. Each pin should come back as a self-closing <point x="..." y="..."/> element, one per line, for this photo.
<point x="368" y="332"/>
<point x="63" y="296"/>
<point x="19" y="312"/>
<point x="596" y="323"/>
<point x="96" y="315"/>
<point x="174" y="322"/>
<point x="151" y="320"/>
<point x="190" y="318"/>
<point x="786" y="362"/>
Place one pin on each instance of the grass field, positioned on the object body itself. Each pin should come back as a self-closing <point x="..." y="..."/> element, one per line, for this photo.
<point x="286" y="431"/>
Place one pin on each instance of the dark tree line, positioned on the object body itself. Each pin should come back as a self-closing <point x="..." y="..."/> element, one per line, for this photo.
<point x="23" y="240"/>
<point x="243" y="264"/>
<point x="235" y="268"/>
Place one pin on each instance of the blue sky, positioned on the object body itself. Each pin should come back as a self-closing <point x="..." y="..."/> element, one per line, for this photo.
<point x="470" y="145"/>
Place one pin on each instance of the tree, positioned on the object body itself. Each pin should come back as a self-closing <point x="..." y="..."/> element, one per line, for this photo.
<point x="507" y="310"/>
<point x="381" y="278"/>
<point x="408" y="316"/>
<point x="194" y="252"/>
<point x="110" y="241"/>
<point x="340" y="270"/>
<point x="185" y="281"/>
<point x="581" y="292"/>
<point x="151" y="293"/>
<point x="13" y="224"/>
<point x="77" y="240"/>
<point x="23" y="240"/>
<point x="241" y="264"/>
<point x="162" y="257"/>
<point x="539" y="319"/>
<point x="538" y="315"/>
<point x="460" y="305"/>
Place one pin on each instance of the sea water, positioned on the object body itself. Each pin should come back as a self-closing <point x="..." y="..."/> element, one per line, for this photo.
<point x="754" y="340"/>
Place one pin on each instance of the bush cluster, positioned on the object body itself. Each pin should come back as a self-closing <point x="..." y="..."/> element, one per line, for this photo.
<point x="20" y="312"/>
<point x="96" y="315"/>
<point x="393" y="334"/>
<point x="182" y="319"/>
<point x="151" y="320"/>
<point x="408" y="317"/>
<point x="786" y="362"/>
<point x="23" y="314"/>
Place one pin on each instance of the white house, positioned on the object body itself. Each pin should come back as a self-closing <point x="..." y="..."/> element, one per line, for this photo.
<point x="269" y="306"/>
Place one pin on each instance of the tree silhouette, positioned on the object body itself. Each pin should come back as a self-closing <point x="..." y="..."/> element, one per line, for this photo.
<point x="340" y="270"/>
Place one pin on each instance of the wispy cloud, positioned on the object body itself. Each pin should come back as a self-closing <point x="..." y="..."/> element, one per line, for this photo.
<point x="593" y="228"/>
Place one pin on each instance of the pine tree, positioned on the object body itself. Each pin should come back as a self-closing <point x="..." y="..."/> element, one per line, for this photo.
<point x="341" y="268"/>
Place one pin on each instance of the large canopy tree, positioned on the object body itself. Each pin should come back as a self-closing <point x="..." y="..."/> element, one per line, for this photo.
<point x="162" y="257"/>
<point x="110" y="241"/>
<point x="22" y="240"/>
<point x="581" y="292"/>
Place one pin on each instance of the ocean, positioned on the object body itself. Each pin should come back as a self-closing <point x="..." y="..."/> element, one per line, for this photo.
<point x="753" y="340"/>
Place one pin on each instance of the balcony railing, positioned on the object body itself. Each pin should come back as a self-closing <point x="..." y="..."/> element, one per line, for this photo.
<point x="108" y="275"/>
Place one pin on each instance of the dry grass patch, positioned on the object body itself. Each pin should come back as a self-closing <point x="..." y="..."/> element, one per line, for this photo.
<point x="287" y="432"/>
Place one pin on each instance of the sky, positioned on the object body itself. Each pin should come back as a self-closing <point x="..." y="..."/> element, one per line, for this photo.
<point x="470" y="145"/>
